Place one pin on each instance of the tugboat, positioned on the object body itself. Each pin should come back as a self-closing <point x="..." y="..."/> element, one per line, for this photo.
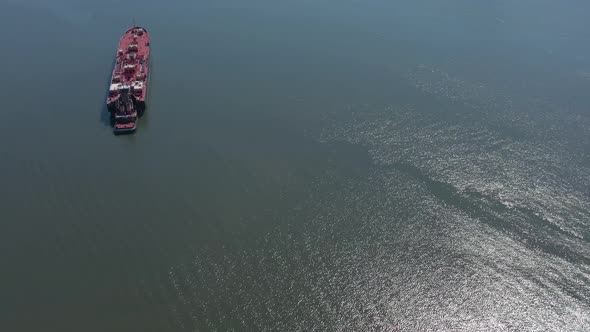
<point x="129" y="83"/>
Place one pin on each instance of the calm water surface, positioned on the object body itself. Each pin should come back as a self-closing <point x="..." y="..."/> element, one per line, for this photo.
<point x="303" y="166"/>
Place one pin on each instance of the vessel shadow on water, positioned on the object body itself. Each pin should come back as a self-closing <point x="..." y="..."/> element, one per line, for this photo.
<point x="128" y="87"/>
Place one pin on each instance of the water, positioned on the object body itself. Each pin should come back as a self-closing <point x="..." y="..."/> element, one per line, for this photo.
<point x="304" y="165"/>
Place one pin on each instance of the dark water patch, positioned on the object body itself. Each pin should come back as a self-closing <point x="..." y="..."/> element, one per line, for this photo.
<point x="532" y="232"/>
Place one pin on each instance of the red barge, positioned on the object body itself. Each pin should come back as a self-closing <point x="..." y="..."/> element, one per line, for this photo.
<point x="128" y="89"/>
